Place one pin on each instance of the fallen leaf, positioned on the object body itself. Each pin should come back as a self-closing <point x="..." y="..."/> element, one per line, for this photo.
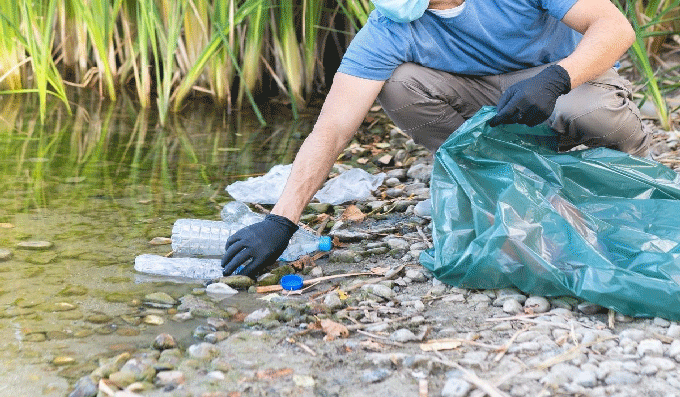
<point x="338" y="244"/>
<point x="353" y="214"/>
<point x="6" y="226"/>
<point x="342" y="295"/>
<point x="372" y="346"/>
<point x="440" y="344"/>
<point x="380" y="271"/>
<point x="160" y="241"/>
<point x="362" y="160"/>
<point x="333" y="329"/>
<point x="385" y="160"/>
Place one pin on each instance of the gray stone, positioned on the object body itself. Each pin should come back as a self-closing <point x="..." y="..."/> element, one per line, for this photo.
<point x="421" y="172"/>
<point x="35" y="245"/>
<point x="376" y="375"/>
<point x="347" y="236"/>
<point x="423" y="209"/>
<point x="85" y="387"/>
<point x="164" y="341"/>
<point x="391" y="182"/>
<point x="397" y="244"/>
<point x="650" y="347"/>
<point x="661" y="322"/>
<point x="511" y="306"/>
<point x="586" y="379"/>
<point x="257" y="315"/>
<point x="5" y="254"/>
<point x="394" y="192"/>
<point x="632" y="333"/>
<point x="590" y="308"/>
<point x="332" y="301"/>
<point x="673" y="331"/>
<point x="661" y="363"/>
<point x="537" y="304"/>
<point x="345" y="256"/>
<point x="500" y="301"/>
<point x="170" y="378"/>
<point x="203" y="351"/>
<point x="674" y="350"/>
<point x="398" y="173"/>
<point x="379" y="290"/>
<point x="238" y="281"/>
<point x="621" y="378"/>
<point x="416" y="275"/>
<point x="403" y="335"/>
<point x="220" y="289"/>
<point x="456" y="387"/>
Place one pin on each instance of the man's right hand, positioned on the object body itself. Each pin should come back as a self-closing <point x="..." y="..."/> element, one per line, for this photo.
<point x="263" y="242"/>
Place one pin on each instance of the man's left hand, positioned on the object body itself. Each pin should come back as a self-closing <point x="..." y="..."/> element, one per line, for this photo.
<point x="532" y="101"/>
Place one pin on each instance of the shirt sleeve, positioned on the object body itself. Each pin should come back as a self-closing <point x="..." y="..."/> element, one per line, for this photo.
<point x="557" y="8"/>
<point x="377" y="49"/>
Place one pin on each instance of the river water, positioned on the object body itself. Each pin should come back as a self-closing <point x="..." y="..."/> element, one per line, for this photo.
<point x="91" y="190"/>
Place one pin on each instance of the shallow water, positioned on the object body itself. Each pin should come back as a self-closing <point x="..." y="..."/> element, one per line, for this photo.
<point x="98" y="185"/>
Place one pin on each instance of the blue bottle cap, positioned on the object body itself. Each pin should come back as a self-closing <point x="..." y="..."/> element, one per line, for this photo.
<point x="291" y="282"/>
<point x="325" y="243"/>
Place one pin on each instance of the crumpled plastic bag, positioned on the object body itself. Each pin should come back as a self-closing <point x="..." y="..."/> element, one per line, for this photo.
<point x="353" y="184"/>
<point x="597" y="224"/>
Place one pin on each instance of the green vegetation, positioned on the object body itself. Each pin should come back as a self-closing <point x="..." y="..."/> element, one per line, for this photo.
<point x="166" y="51"/>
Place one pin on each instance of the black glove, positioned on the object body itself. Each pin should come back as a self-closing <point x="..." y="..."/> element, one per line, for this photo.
<point x="532" y="101"/>
<point x="263" y="242"/>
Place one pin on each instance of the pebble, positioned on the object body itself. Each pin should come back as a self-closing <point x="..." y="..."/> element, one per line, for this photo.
<point x="397" y="243"/>
<point x="586" y="379"/>
<point x="590" y="308"/>
<point x="511" y="306"/>
<point x="316" y="272"/>
<point x="621" y="378"/>
<point x="159" y="299"/>
<point x="674" y="350"/>
<point x="500" y="301"/>
<point x="403" y="335"/>
<point x="35" y="245"/>
<point x="661" y="363"/>
<point x="673" y="331"/>
<point x="333" y="302"/>
<point x="537" y="304"/>
<point x="237" y="281"/>
<point x="455" y="387"/>
<point x="164" y="341"/>
<point x="416" y="275"/>
<point x="304" y="381"/>
<point x="421" y="172"/>
<point x="661" y="322"/>
<point x="379" y="290"/>
<point x="220" y="289"/>
<point x="167" y="378"/>
<point x="376" y="375"/>
<point x="257" y="315"/>
<point x="5" y="254"/>
<point x="63" y="360"/>
<point x="85" y="387"/>
<point x="153" y="319"/>
<point x="399" y="173"/>
<point x="651" y="347"/>
<point x="203" y="351"/>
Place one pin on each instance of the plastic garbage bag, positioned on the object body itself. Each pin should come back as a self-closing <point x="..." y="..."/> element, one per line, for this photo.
<point x="597" y="224"/>
<point x="353" y="184"/>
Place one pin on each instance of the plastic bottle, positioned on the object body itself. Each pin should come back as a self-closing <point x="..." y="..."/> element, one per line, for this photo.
<point x="197" y="237"/>
<point x="196" y="268"/>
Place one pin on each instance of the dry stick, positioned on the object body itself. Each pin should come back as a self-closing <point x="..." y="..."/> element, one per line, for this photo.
<point x="361" y="326"/>
<point x="505" y="348"/>
<point x="382" y="339"/>
<point x="425" y="239"/>
<point x="374" y="281"/>
<point x="274" y="288"/>
<point x="570" y="354"/>
<point x="490" y="389"/>
<point x="497" y="383"/>
<point x="610" y="318"/>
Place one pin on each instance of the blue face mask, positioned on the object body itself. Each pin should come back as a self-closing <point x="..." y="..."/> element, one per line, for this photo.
<point x="402" y="10"/>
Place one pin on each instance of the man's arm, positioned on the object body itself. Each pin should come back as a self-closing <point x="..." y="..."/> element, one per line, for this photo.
<point x="345" y="107"/>
<point x="259" y="245"/>
<point x="607" y="35"/>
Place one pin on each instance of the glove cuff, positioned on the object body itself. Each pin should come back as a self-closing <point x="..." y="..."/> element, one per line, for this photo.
<point x="290" y="227"/>
<point x="561" y="78"/>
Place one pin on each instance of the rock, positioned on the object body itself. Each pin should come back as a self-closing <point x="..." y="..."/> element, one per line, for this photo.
<point x="316" y="272"/>
<point x="203" y="351"/>
<point x="5" y="254"/>
<point x="63" y="360"/>
<point x="202" y="330"/>
<point x="164" y="341"/>
<point x="333" y="302"/>
<point x="35" y="245"/>
<point x="590" y="308"/>
<point x="98" y="318"/>
<point x="257" y="315"/>
<point x="394" y="192"/>
<point x="650" y="347"/>
<point x="237" y="281"/>
<point x="374" y="376"/>
<point x="304" y="381"/>
<point x="197" y="306"/>
<point x="455" y="387"/>
<point x="169" y="378"/>
<point x="586" y="378"/>
<point x="379" y="290"/>
<point x="398" y="244"/>
<point x="537" y="304"/>
<point x="220" y="289"/>
<point x="398" y="173"/>
<point x="345" y="256"/>
<point x="347" y="236"/>
<point x="403" y="335"/>
<point x="511" y="306"/>
<point x="621" y="378"/>
<point x="153" y="319"/>
<point x="85" y="387"/>
<point x="107" y="367"/>
<point x="391" y="182"/>
<point x="416" y="275"/>
<point x="122" y="379"/>
<point x="500" y="301"/>
<point x="217" y="375"/>
<point x="421" y="172"/>
<point x="159" y="299"/>
<point x="661" y="363"/>
<point x="673" y="331"/>
<point x="661" y="322"/>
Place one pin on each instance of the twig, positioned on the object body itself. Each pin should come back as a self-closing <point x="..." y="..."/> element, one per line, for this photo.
<point x="273" y="288"/>
<point x="322" y="225"/>
<point x="570" y="354"/>
<point x="425" y="239"/>
<point x="382" y="339"/>
<point x="362" y="326"/>
<point x="359" y="285"/>
<point x="505" y="348"/>
<point x="305" y="348"/>
<point x="470" y="376"/>
<point x="610" y="318"/>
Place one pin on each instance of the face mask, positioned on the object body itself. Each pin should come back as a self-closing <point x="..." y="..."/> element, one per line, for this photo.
<point x="402" y="10"/>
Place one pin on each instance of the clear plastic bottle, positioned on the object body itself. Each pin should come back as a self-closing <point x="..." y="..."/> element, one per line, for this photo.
<point x="197" y="237"/>
<point x="196" y="268"/>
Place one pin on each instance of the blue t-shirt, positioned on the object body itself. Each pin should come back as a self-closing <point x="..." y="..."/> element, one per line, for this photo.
<point x="488" y="37"/>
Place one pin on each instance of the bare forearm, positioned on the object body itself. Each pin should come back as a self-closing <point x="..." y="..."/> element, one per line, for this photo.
<point x="606" y="37"/>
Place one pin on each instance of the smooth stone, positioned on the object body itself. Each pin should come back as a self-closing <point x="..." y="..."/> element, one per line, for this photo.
<point x="651" y="347"/>
<point x="107" y="367"/>
<point x="35" y="245"/>
<point x="203" y="351"/>
<point x="397" y="244"/>
<point x="590" y="308"/>
<point x="586" y="378"/>
<point x="398" y="173"/>
<point x="153" y="319"/>
<point x="217" y="323"/>
<point x="621" y="378"/>
<point x="164" y="341"/>
<point x="661" y="363"/>
<point x="122" y="379"/>
<point x="345" y="256"/>
<point x="316" y="272"/>
<point x="500" y="301"/>
<point x="511" y="306"/>
<point x="537" y="304"/>
<point x="333" y="302"/>
<point x="379" y="290"/>
<point x="203" y="330"/>
<point x="167" y="378"/>
<point x="391" y="182"/>
<point x="257" y="315"/>
<point x="673" y="331"/>
<point x="220" y="289"/>
<point x="160" y="297"/>
<point x="374" y="376"/>
<point x="85" y="387"/>
<point x="661" y="322"/>
<point x="98" y="319"/>
<point x="394" y="192"/>
<point x="422" y="172"/>
<point x="320" y="208"/>
<point x="304" y="381"/>
<point x="5" y="254"/>
<point x="238" y="282"/>
<point x="63" y="360"/>
<point x="403" y="335"/>
<point x="416" y="275"/>
<point x="182" y="317"/>
<point x="455" y="387"/>
<point x="216" y="337"/>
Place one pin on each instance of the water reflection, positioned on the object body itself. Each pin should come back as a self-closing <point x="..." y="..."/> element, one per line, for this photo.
<point x="98" y="185"/>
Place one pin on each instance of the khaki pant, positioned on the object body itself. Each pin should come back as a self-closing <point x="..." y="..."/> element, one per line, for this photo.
<point x="429" y="105"/>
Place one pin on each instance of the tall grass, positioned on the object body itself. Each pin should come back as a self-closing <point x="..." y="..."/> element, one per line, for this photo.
<point x="226" y="51"/>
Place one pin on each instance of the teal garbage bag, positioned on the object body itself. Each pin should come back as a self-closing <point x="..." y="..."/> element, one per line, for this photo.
<point x="596" y="224"/>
